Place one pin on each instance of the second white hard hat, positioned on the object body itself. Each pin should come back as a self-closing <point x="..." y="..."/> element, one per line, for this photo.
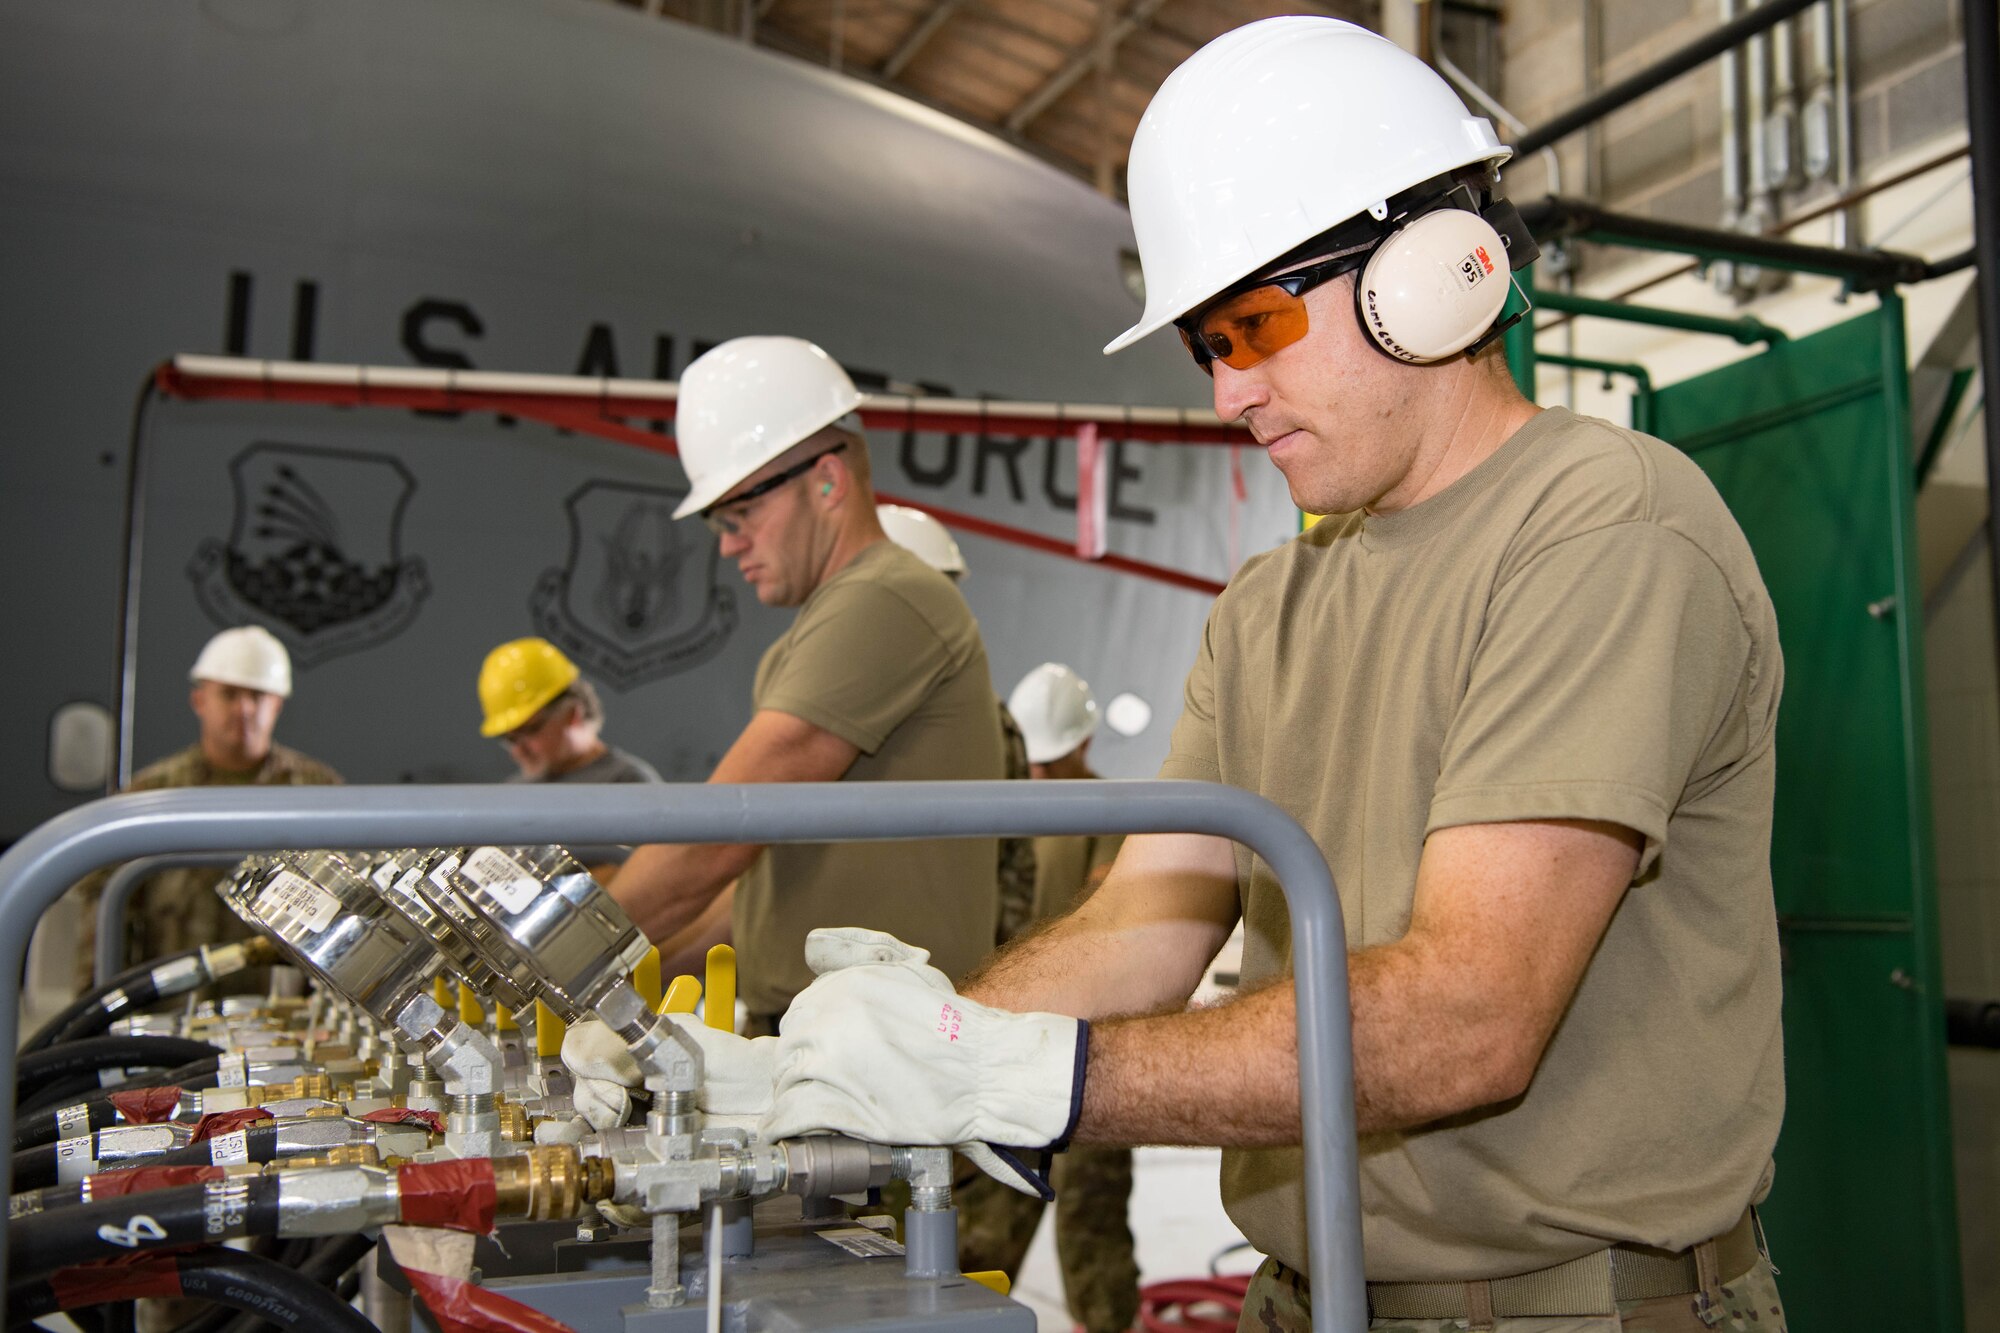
<point x="1272" y="134"/>
<point x="1055" y="709"/>
<point x="745" y="402"/>
<point x="923" y="536"/>
<point x="250" y="657"/>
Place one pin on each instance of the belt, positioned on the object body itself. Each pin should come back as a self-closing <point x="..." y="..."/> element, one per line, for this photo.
<point x="1591" y="1285"/>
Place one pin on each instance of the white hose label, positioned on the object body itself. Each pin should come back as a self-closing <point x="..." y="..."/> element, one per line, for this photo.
<point x="506" y="879"/>
<point x="72" y="1120"/>
<point x="234" y="1146"/>
<point x="295" y="895"/>
<point x="231" y="1073"/>
<point x="73" y="1160"/>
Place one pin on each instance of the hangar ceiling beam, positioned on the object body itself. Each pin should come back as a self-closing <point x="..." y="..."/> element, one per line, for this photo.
<point x="1081" y="64"/>
<point x="927" y="27"/>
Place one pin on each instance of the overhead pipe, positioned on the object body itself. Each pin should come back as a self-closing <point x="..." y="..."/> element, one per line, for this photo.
<point x="1732" y="149"/>
<point x="1662" y="71"/>
<point x="1982" y="108"/>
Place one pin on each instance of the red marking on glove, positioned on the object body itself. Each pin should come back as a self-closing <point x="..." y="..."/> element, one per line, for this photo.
<point x="140" y="1179"/>
<point x="223" y="1122"/>
<point x="126" y="1278"/>
<point x="460" y="1307"/>
<point x="457" y="1195"/>
<point x="147" y="1106"/>
<point x="403" y="1115"/>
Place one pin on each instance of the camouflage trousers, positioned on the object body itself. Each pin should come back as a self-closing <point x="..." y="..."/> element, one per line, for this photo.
<point x="1281" y="1302"/>
<point x="1093" y="1237"/>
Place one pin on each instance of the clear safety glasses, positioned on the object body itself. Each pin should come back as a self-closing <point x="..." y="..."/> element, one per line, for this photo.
<point x="1261" y="317"/>
<point x="726" y="518"/>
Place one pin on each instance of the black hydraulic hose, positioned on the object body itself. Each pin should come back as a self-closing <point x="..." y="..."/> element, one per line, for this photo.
<point x="65" y="1122"/>
<point x="95" y="1054"/>
<point x="327" y="1263"/>
<point x="92" y="1001"/>
<point x="193" y="1076"/>
<point x="246" y="1282"/>
<point x="133" y="1224"/>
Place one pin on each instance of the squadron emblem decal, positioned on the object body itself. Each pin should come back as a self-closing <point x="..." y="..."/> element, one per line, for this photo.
<point x="638" y="597"/>
<point x="314" y="550"/>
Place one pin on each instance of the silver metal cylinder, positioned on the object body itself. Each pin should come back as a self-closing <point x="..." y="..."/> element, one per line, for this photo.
<point x="665" y="1290"/>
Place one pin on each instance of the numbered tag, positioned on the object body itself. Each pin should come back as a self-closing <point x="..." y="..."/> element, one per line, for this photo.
<point x="228" y="1149"/>
<point x="230" y="1072"/>
<point x="294" y="895"/>
<point x="501" y="876"/>
<point x="72" y="1121"/>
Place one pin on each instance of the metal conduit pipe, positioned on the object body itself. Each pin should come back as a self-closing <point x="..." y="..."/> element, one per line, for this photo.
<point x="36" y="870"/>
<point x="1662" y="71"/>
<point x="1982" y="106"/>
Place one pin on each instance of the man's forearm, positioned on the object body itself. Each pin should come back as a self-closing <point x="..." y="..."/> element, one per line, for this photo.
<point x="1061" y="967"/>
<point x="666" y="887"/>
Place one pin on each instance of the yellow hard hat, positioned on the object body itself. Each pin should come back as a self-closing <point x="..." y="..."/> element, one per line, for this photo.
<point x="518" y="680"/>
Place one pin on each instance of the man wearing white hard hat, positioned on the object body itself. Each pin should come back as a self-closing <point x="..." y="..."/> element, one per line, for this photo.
<point x="881" y="677"/>
<point x="1521" y="688"/>
<point x="238" y="687"/>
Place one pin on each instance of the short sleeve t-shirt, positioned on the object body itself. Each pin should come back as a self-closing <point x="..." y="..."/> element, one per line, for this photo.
<point x="1576" y="629"/>
<point x="887" y="656"/>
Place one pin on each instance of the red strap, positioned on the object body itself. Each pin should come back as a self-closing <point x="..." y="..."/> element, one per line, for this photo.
<point x="126" y="1278"/>
<point x="138" y="1180"/>
<point x="403" y="1115"/>
<point x="460" y="1307"/>
<point x="458" y="1195"/>
<point x="147" y="1106"/>
<point x="222" y="1122"/>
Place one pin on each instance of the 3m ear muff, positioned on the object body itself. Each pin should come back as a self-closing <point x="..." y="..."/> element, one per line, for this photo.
<point x="1436" y="286"/>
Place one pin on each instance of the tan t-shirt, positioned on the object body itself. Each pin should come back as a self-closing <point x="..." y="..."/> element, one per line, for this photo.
<point x="1575" y="629"/>
<point x="885" y="655"/>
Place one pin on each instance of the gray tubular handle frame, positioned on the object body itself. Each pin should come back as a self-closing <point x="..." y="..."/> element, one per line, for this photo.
<point x="38" y="868"/>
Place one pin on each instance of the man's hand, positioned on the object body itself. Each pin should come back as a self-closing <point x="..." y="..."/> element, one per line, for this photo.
<point x="881" y="1047"/>
<point x="736" y="1073"/>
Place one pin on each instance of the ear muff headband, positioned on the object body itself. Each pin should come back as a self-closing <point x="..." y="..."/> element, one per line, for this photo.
<point x="1434" y="286"/>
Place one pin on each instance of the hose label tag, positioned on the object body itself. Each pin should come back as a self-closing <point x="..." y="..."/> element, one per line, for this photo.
<point x="72" y="1121"/>
<point x="225" y="1202"/>
<point x="230" y="1072"/>
<point x="234" y="1146"/>
<point x="295" y="895"/>
<point x="74" y="1160"/>
<point x="114" y="1000"/>
<point x="501" y="876"/>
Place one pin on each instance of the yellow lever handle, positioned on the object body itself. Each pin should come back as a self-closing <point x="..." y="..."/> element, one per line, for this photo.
<point x="548" y="1032"/>
<point x="503" y="1019"/>
<point x="441" y="991"/>
<point x="722" y="988"/>
<point x="646" y="979"/>
<point x="470" y="1011"/>
<point x="682" y="996"/>
<point x="995" y="1279"/>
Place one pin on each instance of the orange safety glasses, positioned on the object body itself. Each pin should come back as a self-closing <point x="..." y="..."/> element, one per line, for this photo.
<point x="1262" y="317"/>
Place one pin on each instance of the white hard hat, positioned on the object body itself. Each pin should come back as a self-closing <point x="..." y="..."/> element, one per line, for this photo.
<point x="922" y="536"/>
<point x="1055" y="709"/>
<point x="251" y="657"/>
<point x="1272" y="134"/>
<point x="747" y="401"/>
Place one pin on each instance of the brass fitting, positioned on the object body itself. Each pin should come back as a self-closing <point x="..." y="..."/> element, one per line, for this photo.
<point x="326" y="1113"/>
<point x="316" y="1087"/>
<point x="260" y="949"/>
<point x="550" y="1180"/>
<point x="514" y="1123"/>
<point x="355" y="1154"/>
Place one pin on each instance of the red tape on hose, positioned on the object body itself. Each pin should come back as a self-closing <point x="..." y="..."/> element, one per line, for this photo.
<point x="140" y="1179"/>
<point x="403" y="1115"/>
<point x="460" y="1307"/>
<point x="127" y="1278"/>
<point x="457" y="1195"/>
<point x="224" y="1122"/>
<point x="147" y="1106"/>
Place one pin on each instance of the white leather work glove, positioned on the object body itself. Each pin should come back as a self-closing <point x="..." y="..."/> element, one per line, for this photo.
<point x="883" y="1048"/>
<point x="605" y="1072"/>
<point x="736" y="1073"/>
